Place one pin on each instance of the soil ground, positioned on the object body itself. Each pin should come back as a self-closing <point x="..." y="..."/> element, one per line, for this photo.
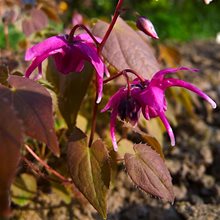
<point x="194" y="163"/>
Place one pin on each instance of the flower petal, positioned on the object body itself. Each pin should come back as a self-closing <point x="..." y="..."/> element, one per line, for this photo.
<point x="45" y="47"/>
<point x="168" y="127"/>
<point x="36" y="63"/>
<point x="86" y="38"/>
<point x="99" y="86"/>
<point x="177" y="82"/>
<point x="160" y="74"/>
<point x="114" y="100"/>
<point x="112" y="128"/>
<point x="70" y="59"/>
<point x="90" y="54"/>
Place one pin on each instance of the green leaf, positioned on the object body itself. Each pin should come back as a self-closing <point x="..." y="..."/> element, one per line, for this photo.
<point x="11" y="138"/>
<point x="24" y="189"/>
<point x="33" y="104"/>
<point x="70" y="90"/>
<point x="149" y="172"/>
<point x="89" y="169"/>
<point x="129" y="50"/>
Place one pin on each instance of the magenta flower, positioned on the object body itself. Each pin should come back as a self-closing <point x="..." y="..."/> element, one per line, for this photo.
<point x="68" y="56"/>
<point x="149" y="96"/>
<point x="125" y="106"/>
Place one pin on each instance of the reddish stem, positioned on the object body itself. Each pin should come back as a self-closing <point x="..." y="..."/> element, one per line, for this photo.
<point x="122" y="72"/>
<point x="114" y="19"/>
<point x="100" y="47"/>
<point x="38" y="172"/>
<point x="50" y="169"/>
<point x="71" y="35"/>
<point x="128" y="84"/>
<point x="94" y="118"/>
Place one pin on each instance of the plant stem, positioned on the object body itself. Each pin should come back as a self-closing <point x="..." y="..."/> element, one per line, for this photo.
<point x="50" y="169"/>
<point x="114" y="19"/>
<point x="128" y="84"/>
<point x="37" y="171"/>
<point x="100" y="47"/>
<point x="71" y="35"/>
<point x="94" y="118"/>
<point x="5" y="26"/>
<point x="122" y="72"/>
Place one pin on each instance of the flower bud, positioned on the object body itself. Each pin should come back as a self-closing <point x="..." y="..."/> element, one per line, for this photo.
<point x="146" y="26"/>
<point x="207" y="1"/>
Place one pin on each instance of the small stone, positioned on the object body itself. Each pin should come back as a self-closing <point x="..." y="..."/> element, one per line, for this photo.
<point x="208" y="181"/>
<point x="207" y="155"/>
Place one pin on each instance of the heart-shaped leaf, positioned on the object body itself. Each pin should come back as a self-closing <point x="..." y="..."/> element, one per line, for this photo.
<point x="11" y="138"/>
<point x="89" y="169"/>
<point x="149" y="172"/>
<point x="70" y="90"/>
<point x="127" y="49"/>
<point x="33" y="104"/>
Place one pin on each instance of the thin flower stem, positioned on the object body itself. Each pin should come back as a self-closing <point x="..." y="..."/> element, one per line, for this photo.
<point x="128" y="84"/>
<point x="71" y="35"/>
<point x="114" y="19"/>
<point x="94" y="118"/>
<point x="50" y="169"/>
<point x="122" y="72"/>
<point x="39" y="173"/>
<point x="112" y="77"/>
<point x="136" y="74"/>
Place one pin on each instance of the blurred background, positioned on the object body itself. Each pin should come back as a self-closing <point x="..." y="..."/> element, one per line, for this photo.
<point x="178" y="20"/>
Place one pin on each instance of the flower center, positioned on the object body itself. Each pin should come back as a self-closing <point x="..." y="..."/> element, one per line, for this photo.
<point x="128" y="110"/>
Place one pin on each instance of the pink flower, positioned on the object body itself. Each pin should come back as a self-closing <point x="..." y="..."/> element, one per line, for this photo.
<point x="125" y="106"/>
<point x="149" y="96"/>
<point x="68" y="56"/>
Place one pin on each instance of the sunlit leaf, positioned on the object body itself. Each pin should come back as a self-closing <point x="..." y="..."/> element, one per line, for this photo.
<point x="11" y="138"/>
<point x="24" y="189"/>
<point x="34" y="106"/>
<point x="81" y="123"/>
<point x="129" y="50"/>
<point x="89" y="169"/>
<point x="70" y="90"/>
<point x="150" y="140"/>
<point x="170" y="55"/>
<point x="124" y="146"/>
<point x="154" y="127"/>
<point x="149" y="172"/>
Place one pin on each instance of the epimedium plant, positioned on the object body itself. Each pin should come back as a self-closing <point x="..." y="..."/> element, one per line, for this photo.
<point x="27" y="109"/>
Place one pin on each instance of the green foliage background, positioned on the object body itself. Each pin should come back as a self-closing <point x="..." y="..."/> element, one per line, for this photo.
<point x="181" y="20"/>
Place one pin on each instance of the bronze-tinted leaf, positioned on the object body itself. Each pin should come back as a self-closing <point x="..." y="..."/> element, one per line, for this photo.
<point x="39" y="19"/>
<point x="151" y="141"/>
<point x="126" y="49"/>
<point x="89" y="169"/>
<point x="27" y="27"/>
<point x="34" y="106"/>
<point x="70" y="90"/>
<point x="11" y="138"/>
<point x="149" y="172"/>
